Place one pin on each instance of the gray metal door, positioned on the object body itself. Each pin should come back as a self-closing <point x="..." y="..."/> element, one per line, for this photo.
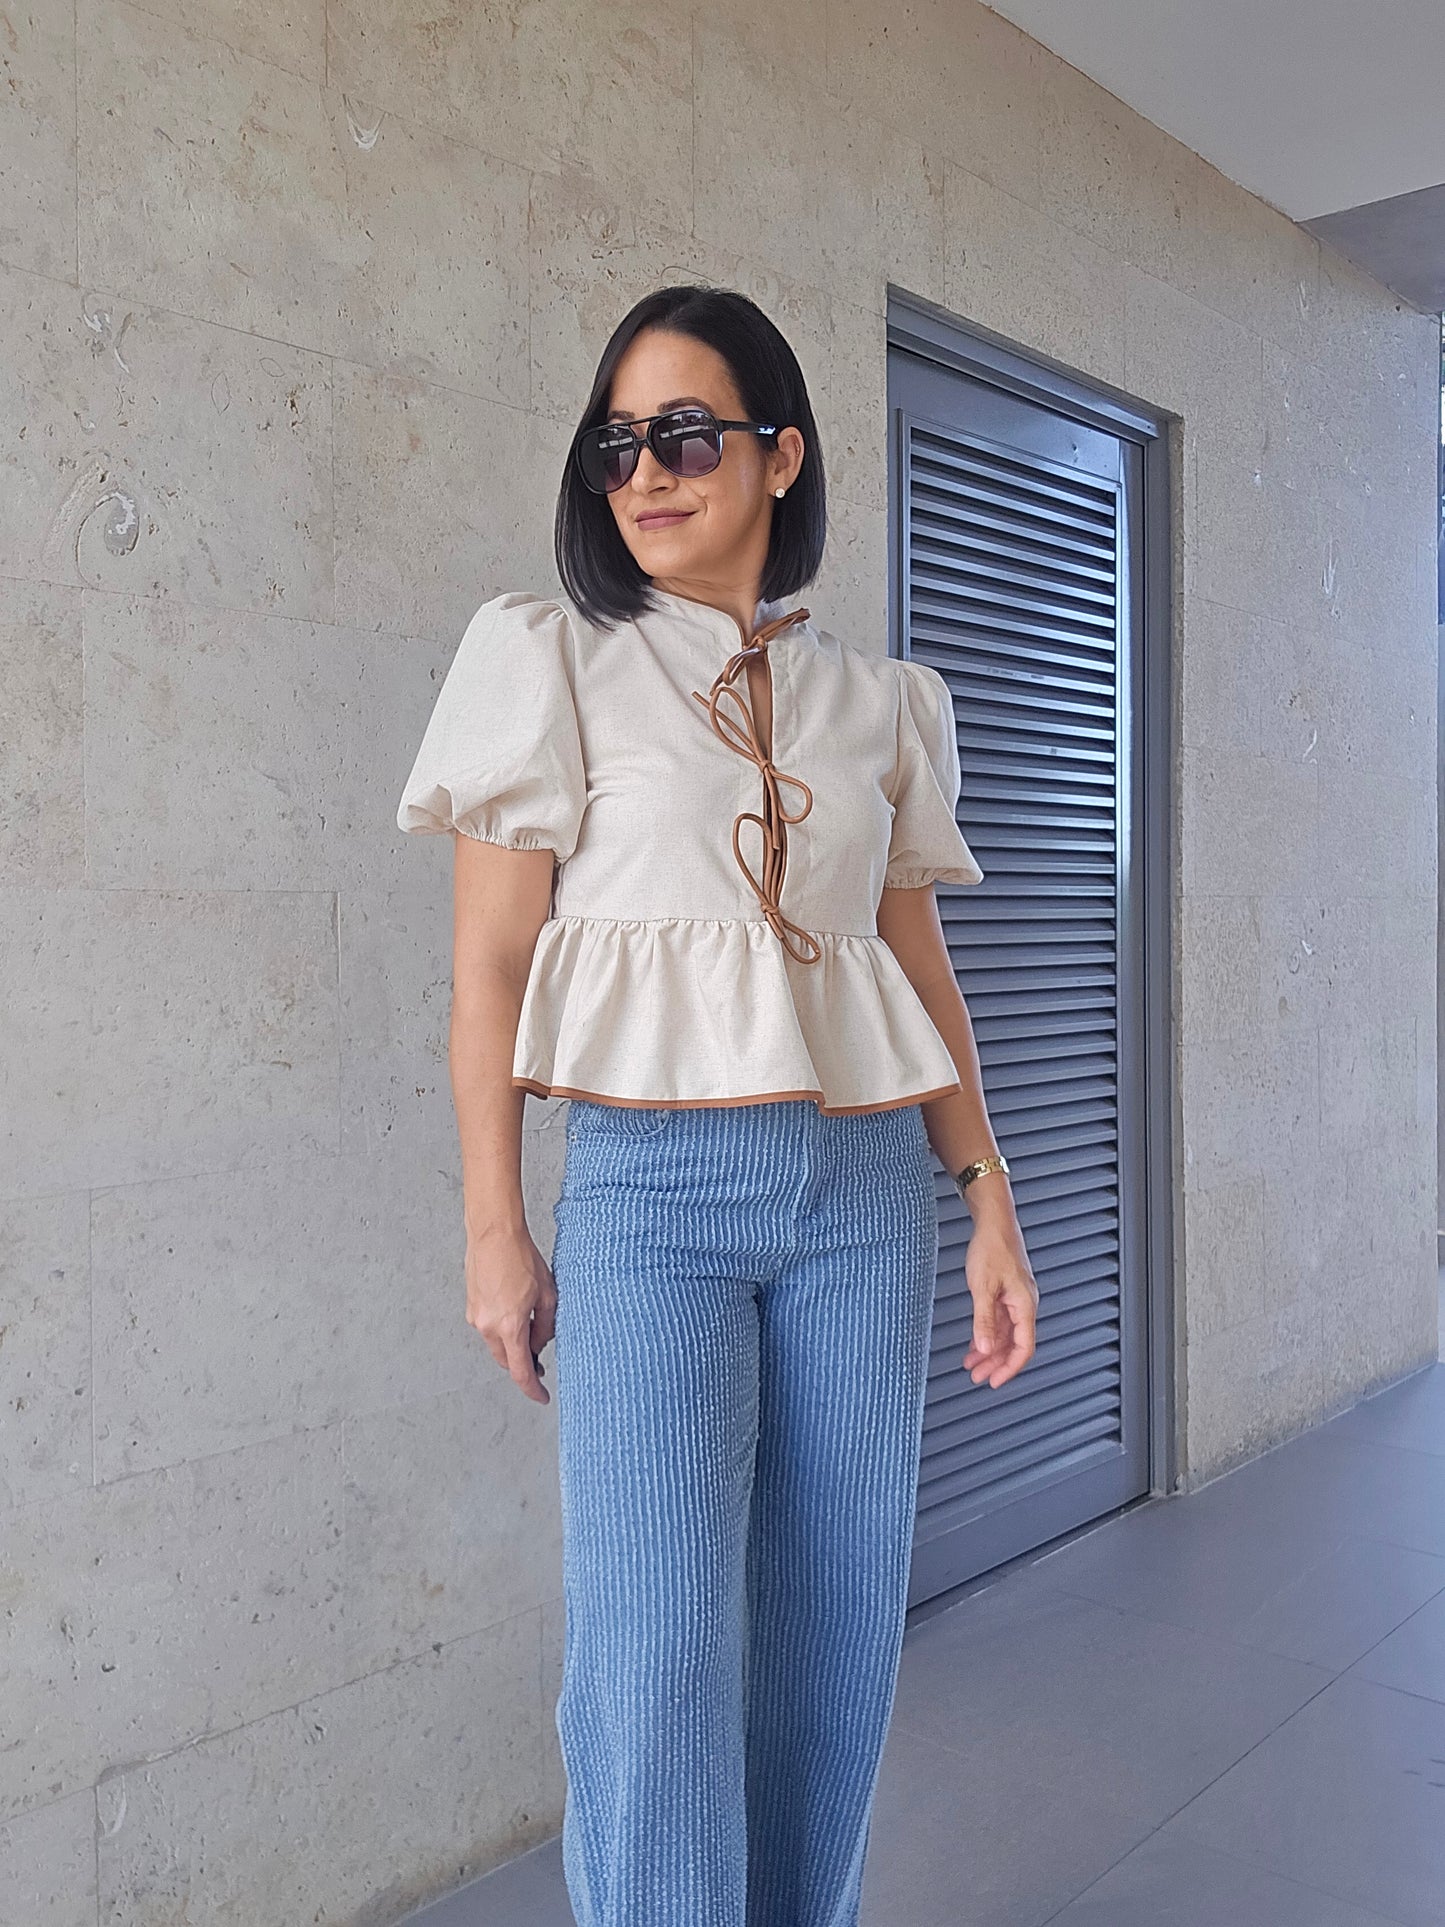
<point x="1018" y="575"/>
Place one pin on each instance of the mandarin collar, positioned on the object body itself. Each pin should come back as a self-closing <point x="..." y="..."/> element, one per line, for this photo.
<point x="717" y="623"/>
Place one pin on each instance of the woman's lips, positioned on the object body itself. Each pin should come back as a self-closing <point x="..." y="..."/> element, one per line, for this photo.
<point x="662" y="521"/>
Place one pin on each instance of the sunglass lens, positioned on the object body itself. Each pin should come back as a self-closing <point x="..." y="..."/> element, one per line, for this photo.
<point x="689" y="442"/>
<point x="607" y="456"/>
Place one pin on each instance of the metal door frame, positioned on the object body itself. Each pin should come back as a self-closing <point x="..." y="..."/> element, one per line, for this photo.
<point x="925" y="328"/>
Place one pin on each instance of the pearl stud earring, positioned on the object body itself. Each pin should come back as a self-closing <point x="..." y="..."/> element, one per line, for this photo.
<point x="780" y="491"/>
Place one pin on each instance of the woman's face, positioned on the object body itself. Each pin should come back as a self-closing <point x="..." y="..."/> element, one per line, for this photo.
<point x="708" y="529"/>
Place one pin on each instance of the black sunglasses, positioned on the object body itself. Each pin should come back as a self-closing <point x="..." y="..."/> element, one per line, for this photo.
<point x="687" y="441"/>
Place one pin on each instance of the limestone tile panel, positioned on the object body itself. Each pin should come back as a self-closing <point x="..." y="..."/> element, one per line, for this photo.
<point x="234" y="1310"/>
<point x="1315" y="429"/>
<point x="798" y="37"/>
<point x="1375" y="837"/>
<point x="157" y="455"/>
<point x="1254" y="1095"/>
<point x="1373" y="1095"/>
<point x="292" y="36"/>
<point x="554" y="1644"/>
<point x="357" y="1804"/>
<point x="757" y="168"/>
<point x="1372" y="342"/>
<point x="47" y="1865"/>
<point x="1371" y="953"/>
<point x="1222" y="939"/>
<point x="42" y="774"/>
<point x="1092" y="154"/>
<point x="395" y="989"/>
<point x="882" y="208"/>
<point x="1257" y="544"/>
<point x="47" y="1139"/>
<point x="452" y="1514"/>
<point x="1252" y="822"/>
<point x="1337" y="977"/>
<point x="1303" y="960"/>
<point x="1326" y="958"/>
<point x="546" y="87"/>
<point x="1248" y="260"/>
<point x="1332" y="683"/>
<point x="592" y="257"/>
<point x="1253" y="1240"/>
<point x="1252" y="1386"/>
<point x="1295" y="1204"/>
<point x="811" y="187"/>
<point x="37" y="142"/>
<point x="244" y="752"/>
<point x="1379" y="1316"/>
<point x="1182" y="355"/>
<point x="1379" y="1311"/>
<point x="45" y="1373"/>
<point x="1224" y="1260"/>
<point x="160" y="1034"/>
<point x="1365" y="683"/>
<point x="1307" y="686"/>
<point x="395" y="1007"/>
<point x="158" y="1608"/>
<point x="1241" y="685"/>
<point x="856" y="428"/>
<point x="1379" y="1284"/>
<point x="850" y="596"/>
<point x="953" y="74"/>
<point x="1381" y="567"/>
<point x="1029" y="277"/>
<point x="442" y="500"/>
<point x="226" y="187"/>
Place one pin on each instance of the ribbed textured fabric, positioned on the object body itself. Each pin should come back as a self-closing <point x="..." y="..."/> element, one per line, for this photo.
<point x="744" y="1299"/>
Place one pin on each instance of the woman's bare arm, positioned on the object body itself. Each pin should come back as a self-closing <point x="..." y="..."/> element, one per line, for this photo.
<point x="501" y="899"/>
<point x="1001" y="1282"/>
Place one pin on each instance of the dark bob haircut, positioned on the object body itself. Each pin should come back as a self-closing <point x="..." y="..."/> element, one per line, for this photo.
<point x="596" y="567"/>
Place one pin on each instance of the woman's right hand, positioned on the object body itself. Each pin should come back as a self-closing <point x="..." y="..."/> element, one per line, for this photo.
<point x="512" y="1301"/>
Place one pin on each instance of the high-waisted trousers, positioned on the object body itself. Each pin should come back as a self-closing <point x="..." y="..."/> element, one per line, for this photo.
<point x="744" y="1300"/>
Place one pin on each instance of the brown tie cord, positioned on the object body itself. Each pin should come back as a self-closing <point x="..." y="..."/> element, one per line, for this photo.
<point x="742" y="735"/>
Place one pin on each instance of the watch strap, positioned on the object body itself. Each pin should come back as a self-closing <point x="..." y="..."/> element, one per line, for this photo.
<point x="966" y="1176"/>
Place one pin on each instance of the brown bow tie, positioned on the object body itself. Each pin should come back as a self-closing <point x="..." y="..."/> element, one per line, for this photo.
<point x="741" y="734"/>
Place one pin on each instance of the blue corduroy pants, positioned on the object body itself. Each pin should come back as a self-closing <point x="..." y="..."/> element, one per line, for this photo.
<point x="744" y="1300"/>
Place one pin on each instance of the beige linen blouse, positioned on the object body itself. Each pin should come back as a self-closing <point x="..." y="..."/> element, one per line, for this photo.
<point x="713" y="936"/>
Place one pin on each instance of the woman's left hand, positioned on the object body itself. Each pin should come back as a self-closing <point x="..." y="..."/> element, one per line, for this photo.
<point x="1005" y="1300"/>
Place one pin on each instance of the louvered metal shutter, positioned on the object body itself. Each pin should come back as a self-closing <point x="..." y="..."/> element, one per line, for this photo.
<point x="1013" y="579"/>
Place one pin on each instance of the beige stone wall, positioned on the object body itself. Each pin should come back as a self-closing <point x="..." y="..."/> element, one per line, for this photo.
<point x="298" y="308"/>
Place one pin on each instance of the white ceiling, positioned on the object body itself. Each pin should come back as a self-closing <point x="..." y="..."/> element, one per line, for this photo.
<point x="1318" y="106"/>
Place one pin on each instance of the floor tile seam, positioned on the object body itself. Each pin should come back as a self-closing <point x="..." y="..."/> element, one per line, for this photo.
<point x="1199" y="1632"/>
<point x="1252" y="1866"/>
<point x="1398" y="1627"/>
<point x="1363" y="1538"/>
<point x="1142" y="1841"/>
<point x="1385" y="1686"/>
<point x="958" y="1753"/>
<point x="1338" y="1536"/>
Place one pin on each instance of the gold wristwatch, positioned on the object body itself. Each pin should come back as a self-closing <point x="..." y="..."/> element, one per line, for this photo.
<point x="966" y="1176"/>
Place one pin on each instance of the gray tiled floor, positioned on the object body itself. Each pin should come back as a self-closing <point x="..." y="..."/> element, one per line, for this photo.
<point x="1224" y="1710"/>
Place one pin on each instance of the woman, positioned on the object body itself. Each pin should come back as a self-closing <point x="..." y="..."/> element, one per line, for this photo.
<point x="759" y="1072"/>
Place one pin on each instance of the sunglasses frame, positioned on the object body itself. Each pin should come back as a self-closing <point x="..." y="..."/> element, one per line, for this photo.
<point x="651" y="441"/>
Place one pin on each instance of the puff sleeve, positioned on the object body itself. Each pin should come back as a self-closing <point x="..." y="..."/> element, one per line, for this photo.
<point x="501" y="758"/>
<point x="926" y="844"/>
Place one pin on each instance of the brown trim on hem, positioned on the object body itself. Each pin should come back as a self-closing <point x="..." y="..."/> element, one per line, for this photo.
<point x="536" y="1089"/>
